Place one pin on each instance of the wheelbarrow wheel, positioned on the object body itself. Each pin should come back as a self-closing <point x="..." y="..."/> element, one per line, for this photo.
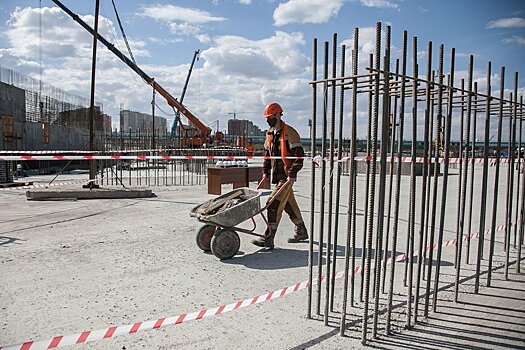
<point x="204" y="237"/>
<point x="225" y="243"/>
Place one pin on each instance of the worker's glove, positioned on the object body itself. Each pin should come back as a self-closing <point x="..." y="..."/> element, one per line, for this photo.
<point x="291" y="179"/>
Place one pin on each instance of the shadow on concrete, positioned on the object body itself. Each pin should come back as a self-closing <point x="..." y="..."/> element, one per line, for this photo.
<point x="284" y="258"/>
<point x="443" y="337"/>
<point x="6" y="241"/>
<point x="276" y="259"/>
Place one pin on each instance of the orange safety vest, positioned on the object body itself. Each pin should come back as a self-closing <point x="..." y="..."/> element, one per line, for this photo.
<point x="284" y="152"/>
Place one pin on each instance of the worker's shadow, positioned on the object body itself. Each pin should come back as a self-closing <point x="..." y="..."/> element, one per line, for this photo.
<point x="285" y="258"/>
<point x="276" y="259"/>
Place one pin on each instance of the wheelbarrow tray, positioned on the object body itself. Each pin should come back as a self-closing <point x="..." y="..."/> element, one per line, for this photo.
<point x="232" y="215"/>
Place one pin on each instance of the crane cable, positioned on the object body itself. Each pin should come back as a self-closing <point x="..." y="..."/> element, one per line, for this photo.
<point x="122" y="31"/>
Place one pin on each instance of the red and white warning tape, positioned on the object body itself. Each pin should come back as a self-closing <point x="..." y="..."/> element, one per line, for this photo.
<point x="210" y="157"/>
<point x="120" y="151"/>
<point x="53" y="184"/>
<point x="114" y="331"/>
<point x="47" y="152"/>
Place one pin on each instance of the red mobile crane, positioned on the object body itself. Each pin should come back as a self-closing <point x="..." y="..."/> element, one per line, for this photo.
<point x="198" y="136"/>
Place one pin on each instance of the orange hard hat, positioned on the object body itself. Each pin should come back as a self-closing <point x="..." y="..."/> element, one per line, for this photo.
<point x="272" y="109"/>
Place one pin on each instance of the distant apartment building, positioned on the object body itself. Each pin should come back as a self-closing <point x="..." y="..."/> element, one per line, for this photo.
<point x="107" y="122"/>
<point x="131" y="120"/>
<point x="79" y="118"/>
<point x="242" y="127"/>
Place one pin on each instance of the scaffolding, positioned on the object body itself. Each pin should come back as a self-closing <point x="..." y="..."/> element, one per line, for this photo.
<point x="44" y="102"/>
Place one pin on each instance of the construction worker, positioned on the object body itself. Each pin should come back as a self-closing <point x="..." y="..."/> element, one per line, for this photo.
<point x="281" y="141"/>
<point x="250" y="148"/>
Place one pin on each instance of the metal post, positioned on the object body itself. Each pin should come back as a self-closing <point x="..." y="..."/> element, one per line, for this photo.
<point x="371" y="199"/>
<point x="398" y="179"/>
<point x="511" y="172"/>
<point x="464" y="178"/>
<point x="367" y="186"/>
<point x="522" y="209"/>
<point x="412" y="214"/>
<point x="92" y="165"/>
<point x="382" y="178"/>
<point x="313" y="146"/>
<point x="350" y="235"/>
<point x="518" y="167"/>
<point x="473" y="154"/>
<point x="461" y="123"/>
<point x="323" y="179"/>
<point x="483" y="208"/>
<point x="429" y="183"/>
<point x="330" y="184"/>
<point x="436" y="175"/>
<point x="391" y="182"/>
<point x="424" y="182"/>
<point x="445" y="175"/>
<point x="496" y="178"/>
<point x="339" y="171"/>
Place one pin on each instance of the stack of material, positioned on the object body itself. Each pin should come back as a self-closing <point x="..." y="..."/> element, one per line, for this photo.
<point x="5" y="174"/>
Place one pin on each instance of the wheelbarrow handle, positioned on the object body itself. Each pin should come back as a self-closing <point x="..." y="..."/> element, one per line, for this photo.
<point x="279" y="191"/>
<point x="261" y="182"/>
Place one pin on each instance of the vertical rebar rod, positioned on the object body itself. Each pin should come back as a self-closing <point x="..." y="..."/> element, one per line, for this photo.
<point x="367" y="186"/>
<point x="350" y="234"/>
<point x="398" y="180"/>
<point x="382" y="177"/>
<point x="460" y="173"/>
<point x="391" y="181"/>
<point x="432" y="149"/>
<point x="339" y="171"/>
<point x="483" y="208"/>
<point x="436" y="174"/>
<point x="472" y="168"/>
<point x="330" y="182"/>
<point x="496" y="178"/>
<point x="313" y="146"/>
<point x="353" y="164"/>
<point x="507" y="229"/>
<point x="522" y="209"/>
<point x="412" y="215"/>
<point x="511" y="171"/>
<point x="323" y="179"/>
<point x="422" y="217"/>
<point x="459" y="243"/>
<point x="445" y="176"/>
<point x="371" y="199"/>
<point x="518" y="167"/>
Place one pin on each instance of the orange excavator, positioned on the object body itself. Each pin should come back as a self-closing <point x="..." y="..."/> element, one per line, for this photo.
<point x="191" y="136"/>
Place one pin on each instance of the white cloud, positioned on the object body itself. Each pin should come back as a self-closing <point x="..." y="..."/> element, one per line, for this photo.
<point x="61" y="36"/>
<point x="279" y="55"/>
<point x="245" y="2"/>
<point x="183" y="22"/>
<point x="306" y="11"/>
<point x="170" y="13"/>
<point x="186" y="29"/>
<point x="379" y="3"/>
<point x="520" y="40"/>
<point x="513" y="22"/>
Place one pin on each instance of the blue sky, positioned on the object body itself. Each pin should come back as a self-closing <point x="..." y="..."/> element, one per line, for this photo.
<point x="253" y="51"/>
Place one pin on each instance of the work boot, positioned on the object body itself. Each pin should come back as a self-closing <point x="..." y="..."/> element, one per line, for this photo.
<point x="301" y="234"/>
<point x="266" y="241"/>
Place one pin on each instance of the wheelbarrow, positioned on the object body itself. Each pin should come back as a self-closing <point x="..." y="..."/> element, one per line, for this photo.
<point x="221" y="216"/>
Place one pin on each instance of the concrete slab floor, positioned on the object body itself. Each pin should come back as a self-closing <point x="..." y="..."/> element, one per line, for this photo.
<point x="67" y="267"/>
